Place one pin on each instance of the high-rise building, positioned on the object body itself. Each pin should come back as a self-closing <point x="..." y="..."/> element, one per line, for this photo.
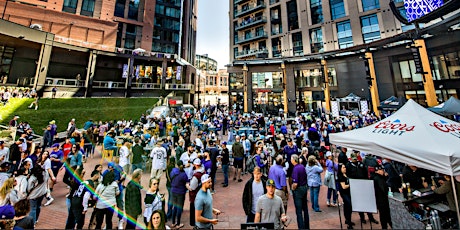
<point x="280" y="49"/>
<point x="211" y="84"/>
<point x="123" y="46"/>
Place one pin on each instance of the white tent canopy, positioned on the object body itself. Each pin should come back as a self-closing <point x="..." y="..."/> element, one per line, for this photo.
<point x="412" y="135"/>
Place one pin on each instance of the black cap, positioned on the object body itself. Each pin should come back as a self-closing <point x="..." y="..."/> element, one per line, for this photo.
<point x="5" y="164"/>
<point x="288" y="139"/>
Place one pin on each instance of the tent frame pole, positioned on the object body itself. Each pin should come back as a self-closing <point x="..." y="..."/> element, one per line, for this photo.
<point x="454" y="188"/>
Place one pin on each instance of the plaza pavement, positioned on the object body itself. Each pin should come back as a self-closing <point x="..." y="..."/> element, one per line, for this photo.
<point x="228" y="200"/>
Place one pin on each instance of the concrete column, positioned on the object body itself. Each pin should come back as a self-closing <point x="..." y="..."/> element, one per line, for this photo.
<point x="90" y="73"/>
<point x="374" y="88"/>
<point x="130" y="76"/>
<point x="245" y="88"/>
<point x="42" y="65"/>
<point x="164" y="66"/>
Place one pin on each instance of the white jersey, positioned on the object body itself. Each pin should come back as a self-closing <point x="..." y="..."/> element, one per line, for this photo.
<point x="198" y="142"/>
<point x="158" y="156"/>
<point x="124" y="154"/>
<point x="186" y="159"/>
<point x="5" y="152"/>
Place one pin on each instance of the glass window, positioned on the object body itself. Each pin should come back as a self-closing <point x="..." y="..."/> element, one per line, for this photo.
<point x="119" y="34"/>
<point x="308" y="77"/>
<point x="332" y="77"/>
<point x="133" y="11"/>
<point x="87" y="8"/>
<point x="453" y="65"/>
<point x="316" y="11"/>
<point x="266" y="80"/>
<point x="70" y="6"/>
<point x="408" y="72"/>
<point x="120" y="8"/>
<point x="297" y="43"/>
<point x="293" y="19"/>
<point x="405" y="27"/>
<point x="337" y="9"/>
<point x="370" y="4"/>
<point x="439" y="69"/>
<point x="316" y="40"/>
<point x="344" y="34"/>
<point x="159" y="9"/>
<point x="370" y="28"/>
<point x="236" y="80"/>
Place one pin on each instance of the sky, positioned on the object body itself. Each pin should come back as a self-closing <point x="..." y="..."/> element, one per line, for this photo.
<point x="213" y="30"/>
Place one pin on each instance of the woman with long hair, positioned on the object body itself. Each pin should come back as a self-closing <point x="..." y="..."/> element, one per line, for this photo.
<point x="44" y="161"/>
<point x="157" y="221"/>
<point x="8" y="195"/>
<point x="21" y="209"/>
<point x="37" y="190"/>
<point x="169" y="168"/>
<point x="107" y="193"/>
<point x="329" y="180"/>
<point x="153" y="199"/>
<point x="344" y="189"/>
<point x="76" y="156"/>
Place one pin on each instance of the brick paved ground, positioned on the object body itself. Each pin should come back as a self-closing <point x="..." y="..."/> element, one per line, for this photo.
<point x="228" y="200"/>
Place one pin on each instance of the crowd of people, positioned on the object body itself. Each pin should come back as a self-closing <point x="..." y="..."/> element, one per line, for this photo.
<point x="286" y="157"/>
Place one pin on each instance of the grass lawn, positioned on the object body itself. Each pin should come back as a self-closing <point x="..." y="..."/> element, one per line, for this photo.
<point x="82" y="109"/>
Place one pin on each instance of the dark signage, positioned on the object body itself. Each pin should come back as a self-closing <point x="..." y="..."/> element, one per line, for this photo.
<point x="417" y="60"/>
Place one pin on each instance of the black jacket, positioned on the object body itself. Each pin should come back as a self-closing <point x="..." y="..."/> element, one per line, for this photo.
<point x="247" y="195"/>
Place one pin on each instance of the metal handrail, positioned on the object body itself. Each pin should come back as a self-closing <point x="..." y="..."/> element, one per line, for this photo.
<point x="178" y="86"/>
<point x="242" y="11"/>
<point x="146" y="86"/>
<point x="63" y="82"/>
<point x="248" y="24"/>
<point x="251" y="52"/>
<point x="108" y="84"/>
<point x="251" y="37"/>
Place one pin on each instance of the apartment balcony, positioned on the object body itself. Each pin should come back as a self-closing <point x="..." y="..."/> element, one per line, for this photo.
<point x="276" y="53"/>
<point x="249" y="9"/>
<point x="251" y="22"/>
<point x="274" y="1"/>
<point x="239" y="1"/>
<point x="253" y="52"/>
<point x="62" y="82"/>
<point x="252" y="37"/>
<point x="186" y="87"/>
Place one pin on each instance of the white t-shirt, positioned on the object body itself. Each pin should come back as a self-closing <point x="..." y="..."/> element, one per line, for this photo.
<point x="198" y="142"/>
<point x="158" y="156"/>
<point x="124" y="154"/>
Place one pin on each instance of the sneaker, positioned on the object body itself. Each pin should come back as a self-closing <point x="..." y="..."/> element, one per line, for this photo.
<point x="121" y="224"/>
<point x="213" y="191"/>
<point x="328" y="203"/>
<point x="49" y="201"/>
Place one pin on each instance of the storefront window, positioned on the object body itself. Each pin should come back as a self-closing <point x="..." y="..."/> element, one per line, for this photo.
<point x="408" y="72"/>
<point x="266" y="101"/>
<point x="267" y="80"/>
<point x="236" y="81"/>
<point x="439" y="68"/>
<point x="453" y="65"/>
<point x="308" y="77"/>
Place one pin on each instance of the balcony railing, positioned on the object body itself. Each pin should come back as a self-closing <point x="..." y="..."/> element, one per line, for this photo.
<point x="63" y="82"/>
<point x="145" y="86"/>
<point x="274" y="1"/>
<point x="249" y="9"/>
<point x="239" y="1"/>
<point x="252" y="52"/>
<point x="252" y="37"/>
<point x="251" y="22"/>
<point x="109" y="84"/>
<point x="179" y="86"/>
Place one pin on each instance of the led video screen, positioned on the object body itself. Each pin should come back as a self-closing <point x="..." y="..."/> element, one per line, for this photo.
<point x="416" y="9"/>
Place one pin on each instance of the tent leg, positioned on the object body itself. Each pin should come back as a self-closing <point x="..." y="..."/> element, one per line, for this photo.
<point x="452" y="179"/>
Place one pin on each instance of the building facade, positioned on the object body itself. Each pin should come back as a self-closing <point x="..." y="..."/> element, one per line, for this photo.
<point x="212" y="84"/>
<point x="280" y="51"/>
<point x="117" y="48"/>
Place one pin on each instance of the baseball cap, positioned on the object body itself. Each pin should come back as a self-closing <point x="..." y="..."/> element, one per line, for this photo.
<point x="328" y="154"/>
<point x="2" y="142"/>
<point x="7" y="212"/>
<point x="243" y="134"/>
<point x="191" y="145"/>
<point x="111" y="164"/>
<point x="205" y="178"/>
<point x="288" y="139"/>
<point x="16" y="116"/>
<point x="55" y="145"/>
<point x="270" y="182"/>
<point x="224" y="143"/>
<point x="353" y="156"/>
<point x="5" y="164"/>
<point x="197" y="161"/>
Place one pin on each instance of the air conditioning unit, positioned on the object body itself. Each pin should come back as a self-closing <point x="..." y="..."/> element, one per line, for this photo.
<point x="36" y="26"/>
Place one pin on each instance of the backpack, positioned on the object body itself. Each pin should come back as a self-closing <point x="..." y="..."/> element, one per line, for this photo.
<point x="251" y="164"/>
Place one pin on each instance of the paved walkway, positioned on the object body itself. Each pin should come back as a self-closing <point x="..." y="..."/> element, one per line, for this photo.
<point x="228" y="200"/>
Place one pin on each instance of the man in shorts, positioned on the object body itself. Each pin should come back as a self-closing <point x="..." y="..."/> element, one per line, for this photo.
<point x="238" y="154"/>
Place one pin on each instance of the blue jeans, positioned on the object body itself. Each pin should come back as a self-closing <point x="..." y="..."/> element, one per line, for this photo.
<point x="35" y="206"/>
<point x="314" y="194"/>
<point x="225" y="171"/>
<point x="332" y="193"/>
<point x="301" y="207"/>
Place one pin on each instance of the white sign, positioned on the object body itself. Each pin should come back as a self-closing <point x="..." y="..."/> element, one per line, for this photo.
<point x="363" y="196"/>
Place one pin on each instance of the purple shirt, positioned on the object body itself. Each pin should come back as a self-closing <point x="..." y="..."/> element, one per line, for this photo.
<point x="277" y="174"/>
<point x="178" y="181"/>
<point x="299" y="175"/>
